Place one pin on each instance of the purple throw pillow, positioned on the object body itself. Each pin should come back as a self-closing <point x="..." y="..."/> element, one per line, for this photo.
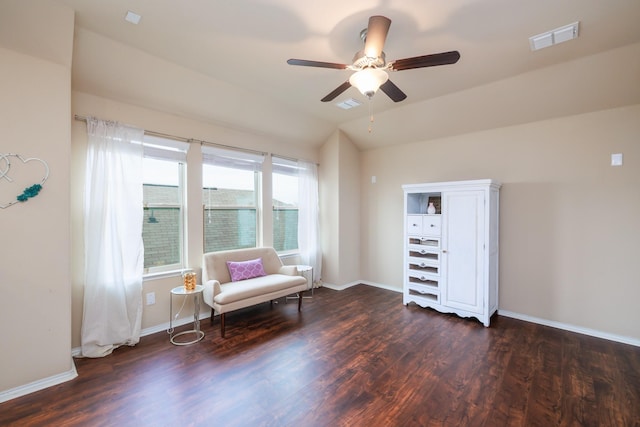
<point x="245" y="269"/>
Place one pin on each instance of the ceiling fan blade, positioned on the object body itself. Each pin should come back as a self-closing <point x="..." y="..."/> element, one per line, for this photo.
<point x="432" y="60"/>
<point x="393" y="91"/>
<point x="306" y="63"/>
<point x="337" y="91"/>
<point x="376" y="35"/>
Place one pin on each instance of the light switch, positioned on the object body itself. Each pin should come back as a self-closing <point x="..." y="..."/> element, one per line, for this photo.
<point x="616" y="159"/>
<point x="373" y="179"/>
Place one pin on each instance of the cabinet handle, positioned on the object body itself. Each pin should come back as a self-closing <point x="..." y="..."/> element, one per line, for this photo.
<point x="422" y="251"/>
<point x="414" y="225"/>
<point x="432" y="225"/>
<point x="444" y="251"/>
<point x="423" y="278"/>
<point x="422" y="264"/>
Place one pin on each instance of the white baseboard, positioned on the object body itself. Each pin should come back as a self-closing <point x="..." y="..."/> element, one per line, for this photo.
<point x="77" y="351"/>
<point x="338" y="287"/>
<point x="558" y="325"/>
<point x="382" y="286"/>
<point x="39" y="384"/>
<point x="360" y="282"/>
<point x="571" y="328"/>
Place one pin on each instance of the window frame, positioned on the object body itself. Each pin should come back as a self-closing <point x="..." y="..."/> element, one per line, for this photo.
<point x="241" y="160"/>
<point x="288" y="167"/>
<point x="169" y="150"/>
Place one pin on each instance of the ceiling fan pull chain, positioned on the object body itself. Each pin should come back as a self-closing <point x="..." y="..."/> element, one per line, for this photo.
<point x="370" y="115"/>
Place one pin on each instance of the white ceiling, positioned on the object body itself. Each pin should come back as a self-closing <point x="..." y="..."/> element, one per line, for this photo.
<point x="225" y="62"/>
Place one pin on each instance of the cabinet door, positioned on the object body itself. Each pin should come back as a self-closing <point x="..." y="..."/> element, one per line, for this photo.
<point x="463" y="250"/>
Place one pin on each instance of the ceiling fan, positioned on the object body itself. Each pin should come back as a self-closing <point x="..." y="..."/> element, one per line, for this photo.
<point x="370" y="65"/>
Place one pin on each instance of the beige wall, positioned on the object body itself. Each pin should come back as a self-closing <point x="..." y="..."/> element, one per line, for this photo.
<point x="340" y="210"/>
<point x="569" y="221"/>
<point x="349" y="211"/>
<point x="328" y="178"/>
<point x="35" y="272"/>
<point x="83" y="104"/>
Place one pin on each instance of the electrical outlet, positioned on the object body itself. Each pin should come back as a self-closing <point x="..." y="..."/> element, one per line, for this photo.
<point x="616" y="159"/>
<point x="151" y="298"/>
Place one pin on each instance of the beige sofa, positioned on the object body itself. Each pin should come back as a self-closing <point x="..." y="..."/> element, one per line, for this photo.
<point x="223" y="295"/>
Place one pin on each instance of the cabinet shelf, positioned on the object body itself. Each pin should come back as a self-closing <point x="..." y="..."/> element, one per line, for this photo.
<point x="417" y="203"/>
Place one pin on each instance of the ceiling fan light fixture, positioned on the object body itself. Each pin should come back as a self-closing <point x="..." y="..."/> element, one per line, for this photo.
<point x="368" y="80"/>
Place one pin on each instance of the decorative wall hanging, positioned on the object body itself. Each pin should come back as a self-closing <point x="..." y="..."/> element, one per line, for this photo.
<point x="6" y="162"/>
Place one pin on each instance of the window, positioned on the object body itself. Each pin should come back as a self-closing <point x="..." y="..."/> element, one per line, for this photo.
<point x="163" y="204"/>
<point x="285" y="205"/>
<point x="230" y="185"/>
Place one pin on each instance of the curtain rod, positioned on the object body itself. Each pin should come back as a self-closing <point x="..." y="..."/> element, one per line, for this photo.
<point x="215" y="144"/>
<point x="146" y="132"/>
<point x="196" y="141"/>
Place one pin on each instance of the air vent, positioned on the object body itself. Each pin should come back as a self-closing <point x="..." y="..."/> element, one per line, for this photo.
<point x="132" y="17"/>
<point x="550" y="38"/>
<point x="348" y="104"/>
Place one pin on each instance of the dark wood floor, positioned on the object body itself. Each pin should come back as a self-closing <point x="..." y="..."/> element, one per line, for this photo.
<point x="357" y="357"/>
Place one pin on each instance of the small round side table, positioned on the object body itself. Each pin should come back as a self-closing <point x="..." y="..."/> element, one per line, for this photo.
<point x="198" y="334"/>
<point x="304" y="270"/>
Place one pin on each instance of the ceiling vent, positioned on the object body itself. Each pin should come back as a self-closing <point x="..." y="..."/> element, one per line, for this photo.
<point x="348" y="104"/>
<point x="559" y="35"/>
<point x="132" y="17"/>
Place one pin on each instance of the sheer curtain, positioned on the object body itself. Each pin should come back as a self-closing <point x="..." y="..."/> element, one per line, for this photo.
<point x="114" y="253"/>
<point x="308" y="218"/>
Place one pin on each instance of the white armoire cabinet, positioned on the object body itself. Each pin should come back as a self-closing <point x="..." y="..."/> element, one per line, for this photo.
<point x="451" y="256"/>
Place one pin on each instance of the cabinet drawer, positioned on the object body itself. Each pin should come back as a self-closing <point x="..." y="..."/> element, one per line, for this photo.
<point x="428" y="225"/>
<point x="414" y="224"/>
<point x="419" y="255"/>
<point x="425" y="242"/>
<point x="417" y="289"/>
<point x="424" y="279"/>
<point x="427" y="297"/>
<point x="431" y="225"/>
<point x="419" y="267"/>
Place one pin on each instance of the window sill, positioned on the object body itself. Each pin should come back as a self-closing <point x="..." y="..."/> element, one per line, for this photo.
<point x="287" y="255"/>
<point x="161" y="275"/>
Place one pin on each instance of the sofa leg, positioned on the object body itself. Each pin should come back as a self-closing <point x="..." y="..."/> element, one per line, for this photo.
<point x="300" y="301"/>
<point x="213" y="313"/>
<point x="222" y="325"/>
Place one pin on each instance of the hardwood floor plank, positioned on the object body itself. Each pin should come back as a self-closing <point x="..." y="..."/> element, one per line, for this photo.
<point x="353" y="358"/>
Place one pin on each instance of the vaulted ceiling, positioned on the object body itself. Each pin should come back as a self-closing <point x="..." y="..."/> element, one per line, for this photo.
<point x="224" y="62"/>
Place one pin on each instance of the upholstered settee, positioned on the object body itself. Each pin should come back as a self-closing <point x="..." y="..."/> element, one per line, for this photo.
<point x="252" y="283"/>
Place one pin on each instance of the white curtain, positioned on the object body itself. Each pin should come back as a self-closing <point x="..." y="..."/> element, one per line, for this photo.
<point x="114" y="252"/>
<point x="308" y="218"/>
